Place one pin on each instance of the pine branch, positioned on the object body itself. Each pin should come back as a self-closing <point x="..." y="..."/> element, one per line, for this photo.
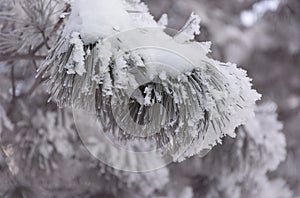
<point x="11" y="57"/>
<point x="55" y="28"/>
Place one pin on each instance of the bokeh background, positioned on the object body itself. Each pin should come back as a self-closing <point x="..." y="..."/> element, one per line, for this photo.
<point x="262" y="36"/>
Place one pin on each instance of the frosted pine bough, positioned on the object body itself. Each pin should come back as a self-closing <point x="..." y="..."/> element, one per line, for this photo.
<point x="259" y="148"/>
<point x="115" y="59"/>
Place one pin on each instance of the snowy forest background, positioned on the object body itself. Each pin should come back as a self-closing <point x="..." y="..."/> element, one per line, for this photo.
<point x="41" y="154"/>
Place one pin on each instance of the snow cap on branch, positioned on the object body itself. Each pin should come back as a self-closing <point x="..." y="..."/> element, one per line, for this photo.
<point x="96" y="19"/>
<point x="200" y="99"/>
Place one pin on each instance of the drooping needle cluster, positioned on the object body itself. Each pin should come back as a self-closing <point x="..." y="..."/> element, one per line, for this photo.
<point x="115" y="60"/>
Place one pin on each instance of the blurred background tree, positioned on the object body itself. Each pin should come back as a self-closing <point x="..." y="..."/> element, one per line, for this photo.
<point x="42" y="156"/>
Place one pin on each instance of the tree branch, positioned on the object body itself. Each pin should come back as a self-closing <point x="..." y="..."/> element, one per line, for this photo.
<point x="55" y="28"/>
<point x="10" y="57"/>
<point x="34" y="86"/>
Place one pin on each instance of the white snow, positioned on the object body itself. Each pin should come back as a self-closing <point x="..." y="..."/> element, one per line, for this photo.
<point x="95" y="19"/>
<point x="163" y="21"/>
<point x="78" y="53"/>
<point x="190" y="29"/>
